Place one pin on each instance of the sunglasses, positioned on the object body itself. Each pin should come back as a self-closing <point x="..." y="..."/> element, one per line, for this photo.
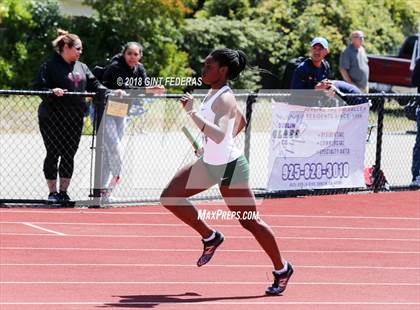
<point x="132" y="53"/>
<point x="78" y="48"/>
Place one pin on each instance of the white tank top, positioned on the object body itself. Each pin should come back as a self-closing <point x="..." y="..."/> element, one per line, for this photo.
<point x="226" y="151"/>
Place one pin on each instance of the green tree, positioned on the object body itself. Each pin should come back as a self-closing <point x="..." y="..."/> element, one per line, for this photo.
<point x="153" y="23"/>
<point x="201" y="36"/>
<point x="270" y="32"/>
<point x="385" y="22"/>
<point x="234" y="9"/>
<point x="15" y="19"/>
<point x="26" y="31"/>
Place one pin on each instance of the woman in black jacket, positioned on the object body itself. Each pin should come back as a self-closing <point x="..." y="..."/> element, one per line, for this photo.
<point x="125" y="72"/>
<point x="60" y="116"/>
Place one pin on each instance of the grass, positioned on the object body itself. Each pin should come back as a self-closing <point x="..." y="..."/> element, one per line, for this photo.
<point x="18" y="114"/>
<point x="394" y="118"/>
<point x="87" y="127"/>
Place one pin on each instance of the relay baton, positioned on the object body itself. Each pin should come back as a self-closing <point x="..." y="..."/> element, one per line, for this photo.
<point x="190" y="137"/>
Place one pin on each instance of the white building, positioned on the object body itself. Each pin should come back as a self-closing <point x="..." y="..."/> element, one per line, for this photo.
<point x="75" y="7"/>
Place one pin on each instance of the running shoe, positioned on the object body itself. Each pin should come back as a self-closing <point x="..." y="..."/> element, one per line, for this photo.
<point x="63" y="197"/>
<point x="280" y="281"/>
<point x="416" y="182"/>
<point x="53" y="197"/>
<point x="209" y="248"/>
<point x="114" y="182"/>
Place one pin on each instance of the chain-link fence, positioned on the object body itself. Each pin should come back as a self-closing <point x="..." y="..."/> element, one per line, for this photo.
<point x="39" y="142"/>
<point x="140" y="136"/>
<point x="139" y="139"/>
<point x="390" y="146"/>
<point x="389" y="140"/>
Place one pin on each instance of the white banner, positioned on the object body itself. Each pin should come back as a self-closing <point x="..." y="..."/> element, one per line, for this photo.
<point x="315" y="147"/>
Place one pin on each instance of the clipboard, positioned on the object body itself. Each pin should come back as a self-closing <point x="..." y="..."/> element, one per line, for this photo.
<point x="115" y="108"/>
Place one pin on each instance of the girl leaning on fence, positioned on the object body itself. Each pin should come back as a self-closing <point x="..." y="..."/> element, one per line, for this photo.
<point x="125" y="71"/>
<point x="61" y="116"/>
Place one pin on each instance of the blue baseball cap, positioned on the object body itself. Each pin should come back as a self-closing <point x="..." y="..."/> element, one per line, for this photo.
<point x="320" y="40"/>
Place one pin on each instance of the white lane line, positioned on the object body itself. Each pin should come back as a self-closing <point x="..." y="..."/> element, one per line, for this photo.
<point x="75" y="212"/>
<point x="199" y="302"/>
<point x="220" y="250"/>
<point x="399" y="268"/>
<point x="394" y="284"/>
<point x="44" y="229"/>
<point x="230" y="237"/>
<point x="223" y="225"/>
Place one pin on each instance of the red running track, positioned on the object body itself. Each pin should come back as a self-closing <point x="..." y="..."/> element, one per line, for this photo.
<point x="349" y="252"/>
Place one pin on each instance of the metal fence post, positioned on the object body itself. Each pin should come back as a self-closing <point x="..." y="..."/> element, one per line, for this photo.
<point x="252" y="98"/>
<point x="375" y="173"/>
<point x="100" y="101"/>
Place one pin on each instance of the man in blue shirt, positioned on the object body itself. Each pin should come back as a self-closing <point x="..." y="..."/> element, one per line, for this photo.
<point x="312" y="71"/>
